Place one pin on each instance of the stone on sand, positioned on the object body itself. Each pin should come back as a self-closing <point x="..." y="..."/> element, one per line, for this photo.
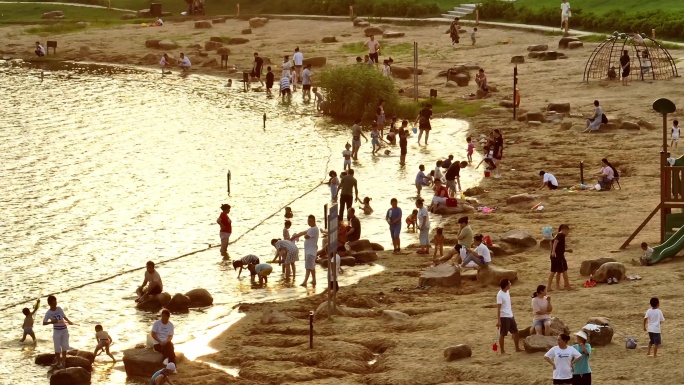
<point x="152" y="43"/>
<point x="237" y="40"/>
<point x="145" y="362"/>
<point x="563" y="42"/>
<point x="365" y="256"/>
<point x="559" y="107"/>
<point x="179" y="303"/>
<point x="200" y="298"/>
<point x="443" y="275"/>
<point x="575" y="44"/>
<point x="373" y="31"/>
<point x="537" y="47"/>
<point x="358" y="20"/>
<point x="394" y="315"/>
<point x="610" y="270"/>
<point x="363" y="24"/>
<point x="84" y="50"/>
<point x="457" y="352"/>
<point x="644" y="124"/>
<point x="536" y="116"/>
<point x="522" y="198"/>
<point x="474" y="191"/>
<point x="203" y="24"/>
<point x="246" y="31"/>
<point x="82" y="353"/>
<point x="316" y="61"/>
<point x="329" y="39"/>
<point x="519" y="238"/>
<point x="600" y="338"/>
<point x="360" y="245"/>
<point x="390" y="35"/>
<point x="492" y="275"/>
<point x="591" y="265"/>
<point x="539" y="344"/>
<point x="461" y="80"/>
<point x="272" y="316"/>
<point x="210" y="63"/>
<point x="534" y="55"/>
<point x="600" y="321"/>
<point x="70" y="376"/>
<point x="506" y="103"/>
<point x="212" y="45"/>
<point x="257" y="22"/>
<point x="167" y="45"/>
<point x="377" y="247"/>
<point x="401" y="72"/>
<point x="629" y="126"/>
<point x="525" y="332"/>
<point x="322" y="310"/>
<point x="79" y="362"/>
<point x="550" y="55"/>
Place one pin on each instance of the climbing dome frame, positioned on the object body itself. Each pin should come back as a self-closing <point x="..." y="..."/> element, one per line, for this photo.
<point x="608" y="53"/>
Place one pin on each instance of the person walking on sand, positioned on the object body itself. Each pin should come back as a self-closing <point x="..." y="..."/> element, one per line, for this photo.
<point x="226" y="228"/>
<point x="562" y="357"/>
<point x="498" y="151"/>
<point x="559" y="266"/>
<point x="504" y="316"/>
<point x="60" y="334"/>
<point x="393" y="219"/>
<point x="162" y="334"/>
<point x="357" y="133"/>
<point x="624" y="65"/>
<point x="423" y="227"/>
<point x="348" y="187"/>
<point x="310" y="249"/>
<point x="424" y="122"/>
<point x="652" y="320"/>
<point x="541" y="311"/>
<point x="565" y="15"/>
<point x="453" y="32"/>
<point x="373" y="49"/>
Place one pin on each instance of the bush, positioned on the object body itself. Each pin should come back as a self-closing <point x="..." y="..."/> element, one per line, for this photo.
<point x="354" y="92"/>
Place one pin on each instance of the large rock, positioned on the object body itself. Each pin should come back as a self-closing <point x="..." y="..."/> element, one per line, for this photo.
<point x="212" y="45"/>
<point x="377" y="247"/>
<point x="363" y="24"/>
<point x="441" y="275"/>
<point x="522" y="198"/>
<point x="237" y="40"/>
<point x="145" y="362"/>
<point x="600" y="338"/>
<point x="155" y="302"/>
<point x="629" y="126"/>
<point x="84" y="50"/>
<point x="82" y="353"/>
<point x="167" y="45"/>
<point x="257" y="22"/>
<point x="365" y="256"/>
<point x="474" y="191"/>
<point x="534" y="116"/>
<point x="537" y="48"/>
<point x="563" y="42"/>
<point x="272" y="316"/>
<point x="210" y="63"/>
<point x="492" y="275"/>
<point x="44" y="359"/>
<point x="203" y="24"/>
<point x="220" y="20"/>
<point x="559" y="107"/>
<point x="453" y="353"/>
<point x="149" y="59"/>
<point x="53" y="15"/>
<point x="390" y="35"/>
<point x="70" y="376"/>
<point x="246" y="31"/>
<point x="373" y="31"/>
<point x="600" y="321"/>
<point x="462" y="80"/>
<point x="557" y="327"/>
<point x="535" y="55"/>
<point x="460" y="209"/>
<point x="644" y="124"/>
<point x="79" y="362"/>
<point x="575" y="44"/>
<point x="360" y="245"/>
<point x="518" y="59"/>
<point x="179" y="303"/>
<point x="316" y="61"/>
<point x="394" y="315"/>
<point x="358" y="20"/>
<point x="402" y="72"/>
<point x="539" y="344"/>
<point x="591" y="265"/>
<point x="610" y="270"/>
<point x="519" y="238"/>
<point x="322" y="310"/>
<point x="550" y="55"/>
<point x="199" y="298"/>
<point x="152" y="43"/>
<point x="329" y="39"/>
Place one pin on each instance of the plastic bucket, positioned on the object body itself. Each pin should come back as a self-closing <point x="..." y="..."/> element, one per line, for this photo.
<point x="487" y="174"/>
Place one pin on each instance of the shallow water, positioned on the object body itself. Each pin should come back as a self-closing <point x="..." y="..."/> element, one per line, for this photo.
<point x="104" y="168"/>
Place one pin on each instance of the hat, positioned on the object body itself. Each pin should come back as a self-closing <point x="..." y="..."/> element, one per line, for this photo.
<point x="171" y="367"/>
<point x="582" y="334"/>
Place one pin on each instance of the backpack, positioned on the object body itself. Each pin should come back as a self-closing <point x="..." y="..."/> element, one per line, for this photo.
<point x="604" y="119"/>
<point x="631" y="343"/>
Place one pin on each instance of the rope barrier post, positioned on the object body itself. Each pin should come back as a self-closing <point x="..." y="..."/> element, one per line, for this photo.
<point x="264" y="120"/>
<point x="228" y="180"/>
<point x="325" y="215"/>
<point x="477" y="17"/>
<point x="515" y="92"/>
<point x="238" y="9"/>
<point x="311" y="319"/>
<point x="582" y="172"/>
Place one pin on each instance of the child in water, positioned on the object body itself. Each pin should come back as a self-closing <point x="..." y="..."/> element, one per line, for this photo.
<point x="347" y="154"/>
<point x="411" y="221"/>
<point x="286" y="230"/>
<point x="103" y="341"/>
<point x="334" y="183"/>
<point x="471" y="149"/>
<point x="439" y="242"/>
<point x="288" y="213"/>
<point x="367" y="209"/>
<point x="28" y="321"/>
<point x="375" y="139"/>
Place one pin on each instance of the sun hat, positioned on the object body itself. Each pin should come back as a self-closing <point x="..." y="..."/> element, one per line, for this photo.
<point x="582" y="334"/>
<point x="171" y="366"/>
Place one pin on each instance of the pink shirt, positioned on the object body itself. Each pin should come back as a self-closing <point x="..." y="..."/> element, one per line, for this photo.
<point x="540" y="304"/>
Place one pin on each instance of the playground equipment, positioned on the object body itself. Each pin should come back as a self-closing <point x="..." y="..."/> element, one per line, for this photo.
<point x="671" y="196"/>
<point x="649" y="59"/>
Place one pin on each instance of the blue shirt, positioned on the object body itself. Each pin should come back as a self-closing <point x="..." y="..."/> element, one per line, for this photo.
<point x="582" y="366"/>
<point x="394" y="214"/>
<point x="157" y="374"/>
<point x="420" y="178"/>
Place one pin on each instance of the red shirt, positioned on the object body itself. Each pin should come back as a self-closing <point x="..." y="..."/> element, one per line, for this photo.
<point x="224" y="221"/>
<point x="442" y="192"/>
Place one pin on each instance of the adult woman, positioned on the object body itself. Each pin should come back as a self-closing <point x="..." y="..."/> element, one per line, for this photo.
<point x="226" y="228"/>
<point x="403" y="144"/>
<point x="562" y="358"/>
<point x="380" y="117"/>
<point x="624" y="65"/>
<point x="424" y="122"/>
<point x="441" y="195"/>
<point x="289" y="252"/>
<point x="581" y="373"/>
<point x="453" y="32"/>
<point x="606" y="174"/>
<point x="594" y="123"/>
<point x="541" y="311"/>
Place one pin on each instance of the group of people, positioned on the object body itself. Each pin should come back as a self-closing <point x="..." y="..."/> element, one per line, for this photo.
<point x="293" y="73"/>
<point x="606" y="176"/>
<point x="183" y="62"/>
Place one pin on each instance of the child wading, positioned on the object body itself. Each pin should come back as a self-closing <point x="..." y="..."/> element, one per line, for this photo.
<point x="103" y="342"/>
<point x="28" y="321"/>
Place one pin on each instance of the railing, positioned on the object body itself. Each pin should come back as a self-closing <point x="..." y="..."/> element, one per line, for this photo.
<point x="673" y="184"/>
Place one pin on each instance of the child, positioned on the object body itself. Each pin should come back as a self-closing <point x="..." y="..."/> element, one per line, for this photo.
<point x="28" y="321"/>
<point x="334" y="184"/>
<point x="648" y="253"/>
<point x="162" y="375"/>
<point x="471" y="149"/>
<point x="489" y="159"/>
<point x="270" y="78"/>
<point x="367" y="209"/>
<point x="286" y="230"/>
<point x="420" y="178"/>
<point x="60" y="335"/>
<point x="392" y="136"/>
<point x="294" y="80"/>
<point x="675" y="134"/>
<point x="375" y="135"/>
<point x="103" y="341"/>
<point x="318" y="99"/>
<point x="472" y="35"/>
<point x="261" y="270"/>
<point x="347" y="154"/>
<point x="652" y="320"/>
<point x="439" y="243"/>
<point x="411" y="221"/>
<point x="288" y="213"/>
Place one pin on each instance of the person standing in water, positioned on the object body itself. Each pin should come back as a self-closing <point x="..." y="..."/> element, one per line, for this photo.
<point x="403" y="142"/>
<point x="60" y="334"/>
<point x="424" y="122"/>
<point x="310" y="249"/>
<point x="226" y="228"/>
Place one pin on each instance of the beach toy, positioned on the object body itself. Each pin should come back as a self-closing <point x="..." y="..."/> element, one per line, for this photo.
<point x="535" y="206"/>
<point x="495" y="345"/>
<point x="415" y="130"/>
<point x="143" y="24"/>
<point x="597" y="187"/>
<point x="487" y="173"/>
<point x="540" y="208"/>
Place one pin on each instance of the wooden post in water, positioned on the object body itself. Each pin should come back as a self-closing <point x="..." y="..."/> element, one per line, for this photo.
<point x="325" y="216"/>
<point x="415" y="71"/>
<point x="264" y="120"/>
<point x="228" y="179"/>
<point x="311" y="319"/>
<point x="477" y="17"/>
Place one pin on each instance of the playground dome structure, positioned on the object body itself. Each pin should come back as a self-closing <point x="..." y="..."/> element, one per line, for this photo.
<point x="649" y="60"/>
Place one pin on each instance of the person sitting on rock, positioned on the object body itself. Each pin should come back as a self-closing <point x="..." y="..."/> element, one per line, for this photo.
<point x="594" y="123"/>
<point x="162" y="333"/>
<point x="40" y="50"/>
<point x="184" y="62"/>
<point x="480" y="254"/>
<point x="481" y="80"/>
<point x="155" y="283"/>
<point x="541" y="311"/>
<point x="441" y="195"/>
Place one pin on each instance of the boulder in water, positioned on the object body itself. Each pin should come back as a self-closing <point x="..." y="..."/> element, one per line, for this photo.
<point x="70" y="376"/>
<point x="199" y="298"/>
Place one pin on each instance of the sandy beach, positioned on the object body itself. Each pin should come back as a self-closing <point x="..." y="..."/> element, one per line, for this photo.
<point x="411" y="352"/>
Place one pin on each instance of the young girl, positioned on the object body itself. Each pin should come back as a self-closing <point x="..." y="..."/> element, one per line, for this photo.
<point x="380" y="117"/>
<point x="288" y="213"/>
<point x="411" y="221"/>
<point x="471" y="149"/>
<point x="675" y="134"/>
<point x="286" y="230"/>
<point x="375" y="139"/>
<point x="334" y="184"/>
<point x="439" y="242"/>
<point x="367" y="209"/>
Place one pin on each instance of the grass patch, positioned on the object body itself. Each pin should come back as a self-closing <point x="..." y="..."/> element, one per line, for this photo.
<point x="553" y="33"/>
<point x="605" y="6"/>
<point x="55" y="29"/>
<point x="19" y="13"/>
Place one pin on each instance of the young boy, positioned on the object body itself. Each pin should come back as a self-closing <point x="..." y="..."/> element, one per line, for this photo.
<point x="347" y="154"/>
<point x="103" y="342"/>
<point x="473" y="35"/>
<point x="675" y="134"/>
<point x="28" y="321"/>
<point x="652" y="320"/>
<point x="648" y="253"/>
<point x="270" y="78"/>
<point x="162" y="375"/>
<point x="420" y="178"/>
<point x="60" y="335"/>
<point x="411" y="221"/>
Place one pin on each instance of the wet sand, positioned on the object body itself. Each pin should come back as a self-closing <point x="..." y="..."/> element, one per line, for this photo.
<point x="411" y="352"/>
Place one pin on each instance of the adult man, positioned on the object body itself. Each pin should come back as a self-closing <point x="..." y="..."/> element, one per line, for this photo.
<point x="310" y="249"/>
<point x="257" y="67"/>
<point x="373" y="49"/>
<point x="504" y="316"/>
<point x="155" y="283"/>
<point x="565" y="15"/>
<point x="548" y="180"/>
<point x="354" y="233"/>
<point x="348" y="187"/>
<point x="453" y="177"/>
<point x="162" y="333"/>
<point x="306" y="82"/>
<point x="357" y="133"/>
<point x="480" y="254"/>
<point x="298" y="59"/>
<point x="184" y="62"/>
<point x="423" y="227"/>
<point x="393" y="218"/>
<point x="498" y="151"/>
<point x="40" y="50"/>
<point x="285" y="87"/>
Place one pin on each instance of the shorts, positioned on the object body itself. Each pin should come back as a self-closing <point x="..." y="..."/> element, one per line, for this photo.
<point x="373" y="57"/>
<point x="581" y="379"/>
<point x="559" y="264"/>
<point x="28" y="330"/>
<point x="286" y="91"/>
<point x="103" y="343"/>
<point x="451" y="184"/>
<point x="540" y="322"/>
<point x="309" y="262"/>
<point x="333" y="285"/>
<point x="156" y="290"/>
<point x="306" y="87"/>
<point x="265" y="272"/>
<point x="561" y="382"/>
<point x="269" y="85"/>
<point x="299" y="66"/>
<point x="224" y="235"/>
<point x="507" y="325"/>
<point x="356" y="143"/>
<point x="564" y="17"/>
<point x="395" y="230"/>
<point x="654" y="338"/>
<point x="551" y="186"/>
<point x="375" y="142"/>
<point x="423" y="236"/>
<point x="347" y="162"/>
<point x="419" y="186"/>
<point x="61" y="340"/>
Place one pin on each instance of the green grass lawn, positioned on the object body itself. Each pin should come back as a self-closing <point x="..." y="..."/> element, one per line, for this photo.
<point x="604" y="6"/>
<point x="34" y="12"/>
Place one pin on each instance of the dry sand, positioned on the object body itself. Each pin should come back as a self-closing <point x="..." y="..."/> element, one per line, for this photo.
<point x="411" y="352"/>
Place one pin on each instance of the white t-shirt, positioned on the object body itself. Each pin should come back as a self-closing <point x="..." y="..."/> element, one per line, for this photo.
<point x="565" y="8"/>
<point x="57" y="314"/>
<point x="386" y="71"/>
<point x="298" y="58"/>
<point x="371" y="44"/>
<point x="483" y="252"/>
<point x="655" y="317"/>
<point x="562" y="359"/>
<point x="184" y="62"/>
<point x="153" y="277"/>
<point x="311" y="244"/>
<point x="438" y="173"/>
<point x="423" y="216"/>
<point x="548" y="177"/>
<point x="675" y="132"/>
<point x="504" y="299"/>
<point x="306" y="76"/>
<point x="598" y="112"/>
<point x="608" y="172"/>
<point x="286" y="66"/>
<point x="163" y="331"/>
<point x="337" y="265"/>
<point x="41" y="48"/>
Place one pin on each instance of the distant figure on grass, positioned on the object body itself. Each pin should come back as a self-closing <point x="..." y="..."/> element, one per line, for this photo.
<point x="559" y="266"/>
<point x="103" y="342"/>
<point x="161" y="376"/>
<point x="285" y="87"/>
<point x="28" y="321"/>
<point x="504" y="316"/>
<point x="307" y="76"/>
<point x="348" y="190"/>
<point x="60" y="334"/>
<point x="257" y="69"/>
<point x="40" y="50"/>
<point x="184" y="62"/>
<point x="652" y="320"/>
<point x="310" y="249"/>
<point x="154" y="280"/>
<point x="566" y="13"/>
<point x="453" y="32"/>
<point x="162" y="334"/>
<point x="373" y="49"/>
<point x="225" y="229"/>
<point x="270" y="79"/>
<point x="393" y="218"/>
<point x="423" y="227"/>
<point x="594" y="123"/>
<point x="541" y="311"/>
<point x="246" y="261"/>
<point x="357" y="133"/>
<point x="288" y="253"/>
<point x="262" y="270"/>
<point x="438" y="240"/>
<point x="562" y="357"/>
<point x="625" y="68"/>
<point x="548" y="180"/>
<point x="424" y="122"/>
<point x="480" y="255"/>
<point x="675" y="134"/>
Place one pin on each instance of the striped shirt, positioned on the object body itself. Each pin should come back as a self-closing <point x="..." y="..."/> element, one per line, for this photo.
<point x="292" y="250"/>
<point x="250" y="259"/>
<point x="58" y="315"/>
<point x="285" y="83"/>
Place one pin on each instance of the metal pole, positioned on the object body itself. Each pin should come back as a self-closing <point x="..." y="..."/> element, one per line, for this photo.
<point x="264" y="120"/>
<point x="311" y="319"/>
<point x="582" y="172"/>
<point x="415" y="71"/>
<point x="228" y="178"/>
<point x="325" y="216"/>
<point x="515" y="92"/>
